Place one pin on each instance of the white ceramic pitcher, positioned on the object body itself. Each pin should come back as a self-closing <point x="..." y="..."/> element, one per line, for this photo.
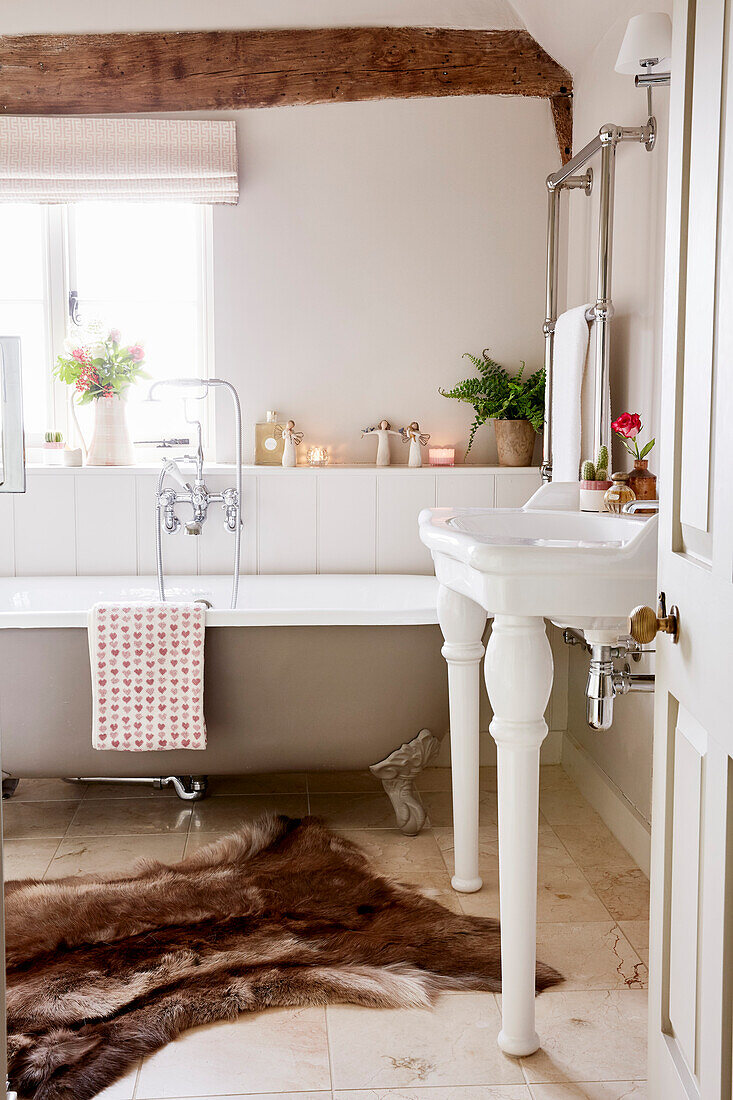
<point x="111" y="444"/>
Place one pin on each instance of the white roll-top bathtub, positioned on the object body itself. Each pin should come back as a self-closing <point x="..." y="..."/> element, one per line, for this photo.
<point x="308" y="600"/>
<point x="309" y="673"/>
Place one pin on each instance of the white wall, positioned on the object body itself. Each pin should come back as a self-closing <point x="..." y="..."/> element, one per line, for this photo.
<point x="601" y="95"/>
<point x="77" y="17"/>
<point x="373" y="242"/>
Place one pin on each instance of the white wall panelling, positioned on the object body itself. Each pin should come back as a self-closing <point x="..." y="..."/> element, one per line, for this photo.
<point x="216" y="544"/>
<point x="180" y="551"/>
<point x="106" y="534"/>
<point x="346" y="524"/>
<point x="7" y="549"/>
<point x="400" y="499"/>
<point x="286" y="522"/>
<point x="514" y="489"/>
<point x="351" y="519"/>
<point x="44" y="521"/>
<point x="470" y="491"/>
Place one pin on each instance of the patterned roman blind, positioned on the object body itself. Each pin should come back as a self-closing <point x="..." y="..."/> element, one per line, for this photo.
<point x="65" y="159"/>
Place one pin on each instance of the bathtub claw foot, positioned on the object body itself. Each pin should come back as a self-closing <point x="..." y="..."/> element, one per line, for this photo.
<point x="10" y="786"/>
<point x="398" y="774"/>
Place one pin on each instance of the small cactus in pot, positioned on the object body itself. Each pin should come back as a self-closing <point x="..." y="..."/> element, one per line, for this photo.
<point x="595" y="474"/>
<point x="53" y="445"/>
<point x="594" y="482"/>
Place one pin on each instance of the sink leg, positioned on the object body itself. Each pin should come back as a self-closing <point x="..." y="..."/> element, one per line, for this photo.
<point x="518" y="671"/>
<point x="462" y="622"/>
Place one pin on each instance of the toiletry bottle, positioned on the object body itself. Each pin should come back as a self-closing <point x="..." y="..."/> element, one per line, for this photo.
<point x="269" y="442"/>
<point x="619" y="494"/>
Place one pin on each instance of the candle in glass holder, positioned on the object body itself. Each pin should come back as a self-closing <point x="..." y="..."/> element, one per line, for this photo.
<point x="442" y="456"/>
<point x="317" y="456"/>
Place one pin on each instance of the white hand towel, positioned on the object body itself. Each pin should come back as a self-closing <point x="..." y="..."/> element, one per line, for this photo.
<point x="147" y="676"/>
<point x="570" y="352"/>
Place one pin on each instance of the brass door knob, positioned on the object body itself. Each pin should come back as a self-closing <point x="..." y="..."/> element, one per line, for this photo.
<point x="645" y="623"/>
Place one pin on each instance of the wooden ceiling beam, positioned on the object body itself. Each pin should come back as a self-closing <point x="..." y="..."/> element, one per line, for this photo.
<point x="58" y="74"/>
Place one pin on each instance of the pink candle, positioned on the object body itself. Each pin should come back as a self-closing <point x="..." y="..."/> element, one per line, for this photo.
<point x="442" y="456"/>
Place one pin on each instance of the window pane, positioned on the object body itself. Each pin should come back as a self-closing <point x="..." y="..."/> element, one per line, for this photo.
<point x="23" y="305"/>
<point x="26" y="319"/>
<point x="169" y="332"/>
<point x="138" y="269"/>
<point x="145" y="252"/>
<point x="21" y="234"/>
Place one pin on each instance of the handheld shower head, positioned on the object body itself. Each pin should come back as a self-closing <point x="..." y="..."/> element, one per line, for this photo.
<point x="181" y="383"/>
<point x="171" y="468"/>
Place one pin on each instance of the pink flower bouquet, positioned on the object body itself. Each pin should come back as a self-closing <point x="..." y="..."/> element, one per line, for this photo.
<point x="101" y="366"/>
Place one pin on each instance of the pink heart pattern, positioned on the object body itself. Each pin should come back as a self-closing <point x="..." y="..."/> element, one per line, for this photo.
<point x="147" y="700"/>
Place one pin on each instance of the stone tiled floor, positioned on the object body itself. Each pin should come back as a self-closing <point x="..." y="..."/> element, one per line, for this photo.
<point x="593" y="926"/>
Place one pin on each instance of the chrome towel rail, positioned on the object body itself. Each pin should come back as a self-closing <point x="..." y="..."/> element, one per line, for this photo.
<point x="600" y="314"/>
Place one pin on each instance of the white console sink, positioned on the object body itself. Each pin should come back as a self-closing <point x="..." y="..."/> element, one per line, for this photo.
<point x="585" y="569"/>
<point x="547" y="560"/>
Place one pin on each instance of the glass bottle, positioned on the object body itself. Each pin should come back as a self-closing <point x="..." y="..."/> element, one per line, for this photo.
<point x="619" y="494"/>
<point x="269" y="443"/>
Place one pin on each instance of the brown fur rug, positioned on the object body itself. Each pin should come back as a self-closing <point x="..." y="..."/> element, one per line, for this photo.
<point x="283" y="912"/>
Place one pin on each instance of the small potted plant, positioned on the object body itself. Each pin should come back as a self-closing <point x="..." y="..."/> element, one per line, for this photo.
<point x="641" y="480"/>
<point x="516" y="405"/>
<point x="594" y="482"/>
<point x="100" y="368"/>
<point x="53" y="442"/>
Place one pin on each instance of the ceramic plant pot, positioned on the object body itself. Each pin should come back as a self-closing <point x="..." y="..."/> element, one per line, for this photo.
<point x="514" y="442"/>
<point x="592" y="495"/>
<point x="111" y="444"/>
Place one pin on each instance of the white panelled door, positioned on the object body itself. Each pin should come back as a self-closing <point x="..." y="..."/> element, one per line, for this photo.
<point x="691" y="996"/>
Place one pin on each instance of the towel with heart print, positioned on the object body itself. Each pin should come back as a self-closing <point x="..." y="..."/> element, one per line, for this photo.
<point x="147" y="665"/>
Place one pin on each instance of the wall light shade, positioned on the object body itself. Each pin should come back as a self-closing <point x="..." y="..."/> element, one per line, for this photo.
<point x="648" y="38"/>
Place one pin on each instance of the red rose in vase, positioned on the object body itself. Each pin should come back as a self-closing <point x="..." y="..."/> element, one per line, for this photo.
<point x="628" y="426"/>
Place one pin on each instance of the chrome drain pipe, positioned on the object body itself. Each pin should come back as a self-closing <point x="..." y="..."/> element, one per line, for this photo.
<point x="606" y="682"/>
<point x="599" y="688"/>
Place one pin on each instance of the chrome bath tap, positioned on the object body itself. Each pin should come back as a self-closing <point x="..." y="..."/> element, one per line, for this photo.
<point x="197" y="496"/>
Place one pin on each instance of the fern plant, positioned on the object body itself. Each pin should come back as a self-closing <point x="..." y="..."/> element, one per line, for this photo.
<point x="497" y="395"/>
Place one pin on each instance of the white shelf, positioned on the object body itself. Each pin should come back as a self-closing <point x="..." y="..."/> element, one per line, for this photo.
<point x="278" y="471"/>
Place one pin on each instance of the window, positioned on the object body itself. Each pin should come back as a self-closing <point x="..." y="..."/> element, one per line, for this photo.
<point x="24" y="305"/>
<point x="139" y="267"/>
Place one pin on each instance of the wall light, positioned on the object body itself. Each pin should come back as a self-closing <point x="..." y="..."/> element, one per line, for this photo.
<point x="646" y="51"/>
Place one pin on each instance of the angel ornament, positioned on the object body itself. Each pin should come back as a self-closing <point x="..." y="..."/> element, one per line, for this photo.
<point x="383" y="431"/>
<point x="291" y="439"/>
<point x="416" y="439"/>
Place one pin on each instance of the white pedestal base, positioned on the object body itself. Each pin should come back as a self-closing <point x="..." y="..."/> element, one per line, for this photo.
<point x="462" y="622"/>
<point x="518" y="671"/>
